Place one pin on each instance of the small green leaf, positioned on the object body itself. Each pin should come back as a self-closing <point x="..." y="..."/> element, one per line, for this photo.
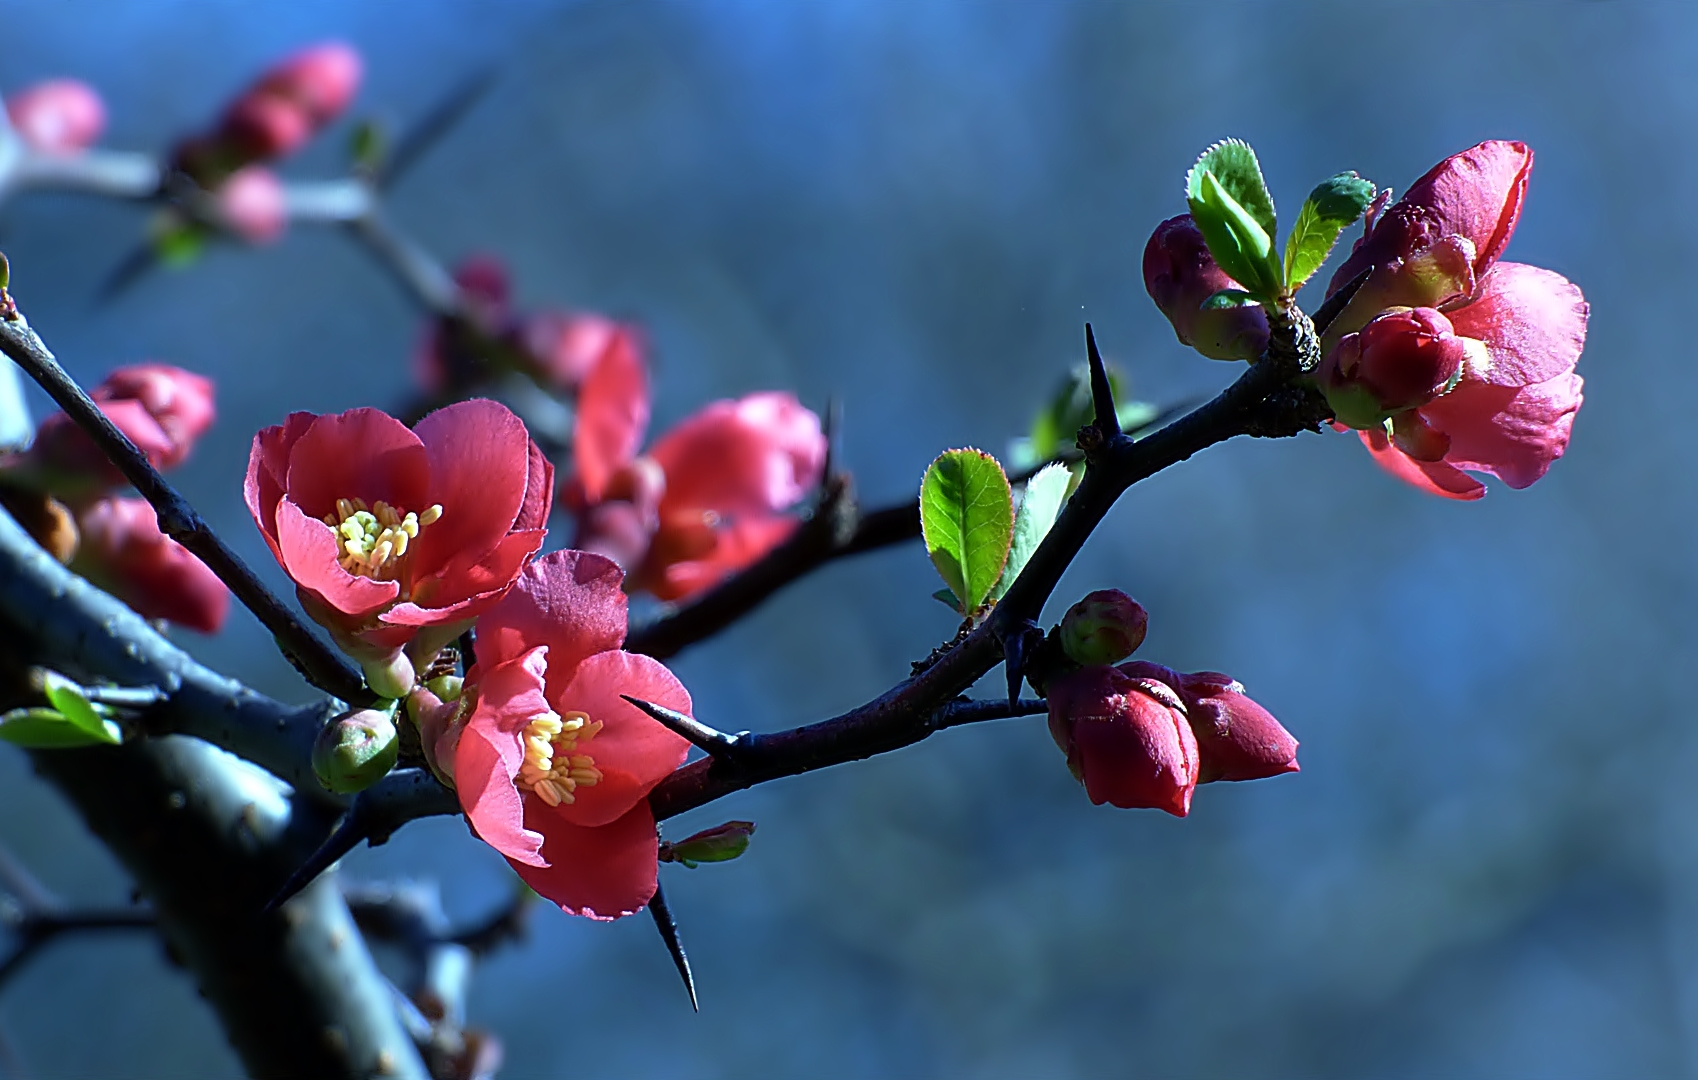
<point x="1331" y="208"/>
<point x="47" y="729"/>
<point x="1045" y="494"/>
<point x="1234" y="166"/>
<point x="368" y="145"/>
<point x="1069" y="409"/>
<point x="967" y="519"/>
<point x="67" y="697"/>
<point x="1229" y="298"/>
<point x="179" y="245"/>
<point x="947" y="598"/>
<point x="1135" y="415"/>
<point x="1238" y="242"/>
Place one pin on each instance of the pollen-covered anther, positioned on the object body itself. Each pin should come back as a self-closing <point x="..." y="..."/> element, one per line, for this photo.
<point x="552" y="769"/>
<point x="371" y="541"/>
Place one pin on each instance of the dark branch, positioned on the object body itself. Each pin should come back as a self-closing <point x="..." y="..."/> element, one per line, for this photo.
<point x="317" y="662"/>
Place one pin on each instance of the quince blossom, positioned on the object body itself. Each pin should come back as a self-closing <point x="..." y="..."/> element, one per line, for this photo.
<point x="395" y="537"/>
<point x="123" y="551"/>
<point x="1512" y="407"/>
<point x="59" y="116"/>
<point x="552" y="766"/>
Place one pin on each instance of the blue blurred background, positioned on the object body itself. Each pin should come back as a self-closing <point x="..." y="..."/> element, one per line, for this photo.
<point x="1489" y="864"/>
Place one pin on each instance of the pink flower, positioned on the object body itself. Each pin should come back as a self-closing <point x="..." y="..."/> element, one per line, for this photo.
<point x="1179" y="274"/>
<point x="320" y="80"/>
<point x="1511" y="413"/>
<point x="59" y="116"/>
<point x="711" y="493"/>
<point x="393" y="535"/>
<point x="1237" y="739"/>
<point x="162" y="409"/>
<point x="253" y="204"/>
<point x="569" y="347"/>
<point x="123" y="552"/>
<point x="276" y="115"/>
<point x="1125" y="737"/>
<point x="552" y="766"/>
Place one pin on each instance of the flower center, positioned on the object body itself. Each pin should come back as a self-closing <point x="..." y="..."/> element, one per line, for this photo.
<point x="552" y="768"/>
<point x="372" y="541"/>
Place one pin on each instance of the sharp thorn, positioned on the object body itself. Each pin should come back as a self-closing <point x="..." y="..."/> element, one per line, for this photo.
<point x="1102" y="394"/>
<point x="669" y="934"/>
<point x="346" y="836"/>
<point x="714" y="742"/>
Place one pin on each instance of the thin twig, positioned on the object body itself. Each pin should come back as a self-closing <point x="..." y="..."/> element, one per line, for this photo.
<point x="317" y="662"/>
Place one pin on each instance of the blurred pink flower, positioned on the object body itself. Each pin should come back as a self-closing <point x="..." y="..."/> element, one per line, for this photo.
<point x="59" y="116"/>
<point x="123" y="552"/>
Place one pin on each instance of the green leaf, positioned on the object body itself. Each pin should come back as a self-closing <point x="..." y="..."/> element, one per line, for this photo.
<point x="947" y="598"/>
<point x="368" y="145"/>
<point x="1331" y="208"/>
<point x="1238" y="242"/>
<point x="179" y="245"/>
<point x="48" y="729"/>
<point x="67" y="697"/>
<point x="967" y="519"/>
<point x="1069" y="409"/>
<point x="1045" y="494"/>
<point x="1134" y="415"/>
<point x="1233" y="165"/>
<point x="1229" y="298"/>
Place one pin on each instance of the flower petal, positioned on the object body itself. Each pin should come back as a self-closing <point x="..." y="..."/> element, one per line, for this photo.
<point x="613" y="413"/>
<point x="489" y="754"/>
<point x="633" y="752"/>
<point x="735" y="547"/>
<point x="268" y="470"/>
<point x="1514" y="433"/>
<point x="1533" y="322"/>
<point x="753" y="456"/>
<point x="479" y="456"/>
<point x="362" y="453"/>
<point x="1433" y="477"/>
<point x="601" y="873"/>
<point x="570" y="601"/>
<point x="307" y="549"/>
<point x="467" y="585"/>
<point x="539" y="491"/>
<point x="1478" y="194"/>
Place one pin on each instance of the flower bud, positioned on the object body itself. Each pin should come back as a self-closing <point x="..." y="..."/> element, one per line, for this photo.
<point x="722" y="843"/>
<point x="390" y="675"/>
<point x="260" y="127"/>
<point x="252" y="204"/>
<point x="124" y="552"/>
<point x="1126" y="739"/>
<point x="60" y="116"/>
<point x="1105" y="627"/>
<point x="356" y="750"/>
<point x="321" y="80"/>
<point x="1237" y="739"/>
<point x="1180" y="274"/>
<point x="1402" y="359"/>
<point x="446" y="687"/>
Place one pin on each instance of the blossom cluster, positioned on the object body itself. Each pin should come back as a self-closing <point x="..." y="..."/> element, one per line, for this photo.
<point x="1447" y="359"/>
<point x="65" y="485"/>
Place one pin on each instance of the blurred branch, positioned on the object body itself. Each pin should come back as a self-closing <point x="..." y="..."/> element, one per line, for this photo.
<point x="1269" y="400"/>
<point x="317" y="662"/>
<point x="35" y="916"/>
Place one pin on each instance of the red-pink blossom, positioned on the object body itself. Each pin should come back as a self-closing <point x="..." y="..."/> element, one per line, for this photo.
<point x="123" y="551"/>
<point x="711" y="493"/>
<point x="1126" y="738"/>
<point x="393" y="534"/>
<point x="59" y="116"/>
<point x="320" y="80"/>
<point x="1512" y="410"/>
<point x="1179" y="274"/>
<point x="162" y="409"/>
<point x="1237" y="739"/>
<point x="253" y="205"/>
<point x="276" y="115"/>
<point x="1402" y="359"/>
<point x="553" y="767"/>
<point x="570" y="346"/>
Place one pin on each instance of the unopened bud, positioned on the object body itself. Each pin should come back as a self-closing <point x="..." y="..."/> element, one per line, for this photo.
<point x="1402" y="359"/>
<point x="722" y="843"/>
<point x="356" y="750"/>
<point x="446" y="687"/>
<point x="1105" y="627"/>
<point x="390" y="676"/>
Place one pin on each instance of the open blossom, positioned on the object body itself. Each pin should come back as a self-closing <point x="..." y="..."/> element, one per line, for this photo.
<point x="709" y="497"/>
<point x="162" y="409"/>
<point x="124" y="552"/>
<point x="1179" y="274"/>
<point x="552" y="766"/>
<point x="59" y="116"/>
<point x="1513" y="405"/>
<point x="398" y="537"/>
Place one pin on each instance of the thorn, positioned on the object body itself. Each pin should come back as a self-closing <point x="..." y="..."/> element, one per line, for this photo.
<point x="438" y="120"/>
<point x="129" y="270"/>
<point x="1335" y="304"/>
<point x="669" y="934"/>
<point x="346" y="836"/>
<point x="1017" y="646"/>
<point x="1102" y="394"/>
<point x="717" y="744"/>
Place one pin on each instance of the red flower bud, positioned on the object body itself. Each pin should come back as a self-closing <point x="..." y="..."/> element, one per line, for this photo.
<point x="1403" y="358"/>
<point x="1105" y="627"/>
<point x="1180" y="274"/>
<point x="60" y="116"/>
<point x="124" y="553"/>
<point x="1125" y="737"/>
<point x="321" y="80"/>
<point x="252" y="204"/>
<point x="259" y="127"/>
<point x="1237" y="739"/>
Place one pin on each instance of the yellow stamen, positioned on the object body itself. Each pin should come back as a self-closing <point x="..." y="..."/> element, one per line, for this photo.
<point x="553" y="767"/>
<point x="372" y="542"/>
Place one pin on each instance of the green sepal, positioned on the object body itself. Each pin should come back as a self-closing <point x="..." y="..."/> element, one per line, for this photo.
<point x="1045" y="495"/>
<point x="967" y="520"/>
<point x="1331" y="208"/>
